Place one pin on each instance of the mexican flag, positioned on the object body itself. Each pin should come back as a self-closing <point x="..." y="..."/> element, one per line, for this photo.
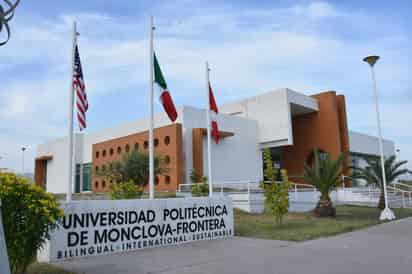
<point x="213" y="108"/>
<point x="164" y="96"/>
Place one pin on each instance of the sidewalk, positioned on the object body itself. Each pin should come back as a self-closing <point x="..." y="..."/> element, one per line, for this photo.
<point x="382" y="249"/>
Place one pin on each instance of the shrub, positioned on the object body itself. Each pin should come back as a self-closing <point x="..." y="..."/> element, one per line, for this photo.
<point x="126" y="190"/>
<point x="200" y="189"/>
<point x="200" y="186"/>
<point x="276" y="193"/>
<point x="29" y="216"/>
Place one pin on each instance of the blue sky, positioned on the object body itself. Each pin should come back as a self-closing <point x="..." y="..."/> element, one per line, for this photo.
<point x="252" y="46"/>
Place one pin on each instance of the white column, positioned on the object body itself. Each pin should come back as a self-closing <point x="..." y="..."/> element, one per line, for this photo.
<point x="151" y="118"/>
<point x="209" y="138"/>
<point x="71" y="105"/>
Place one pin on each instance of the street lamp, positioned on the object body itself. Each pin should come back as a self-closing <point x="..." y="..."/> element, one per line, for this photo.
<point x="398" y="154"/>
<point x="23" y="149"/>
<point x="387" y="213"/>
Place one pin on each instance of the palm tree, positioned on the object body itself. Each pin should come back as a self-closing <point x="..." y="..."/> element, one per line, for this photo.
<point x="325" y="175"/>
<point x="372" y="173"/>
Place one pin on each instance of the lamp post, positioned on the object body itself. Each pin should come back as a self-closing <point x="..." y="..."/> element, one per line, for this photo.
<point x="398" y="154"/>
<point x="387" y="213"/>
<point x="23" y="149"/>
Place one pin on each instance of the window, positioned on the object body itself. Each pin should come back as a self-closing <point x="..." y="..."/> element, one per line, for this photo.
<point x="156" y="180"/>
<point x="167" y="159"/>
<point x="96" y="184"/>
<point x="97" y="169"/>
<point x="103" y="168"/>
<point x="276" y="155"/>
<point x="156" y="142"/>
<point x="323" y="155"/>
<point x="87" y="177"/>
<point x="111" y="151"/>
<point x="97" y="154"/>
<point x="119" y="150"/>
<point x="146" y="144"/>
<point x="167" y="140"/>
<point x="167" y="180"/>
<point x="136" y="146"/>
<point x="104" y="184"/>
<point x="77" y="180"/>
<point x="127" y="148"/>
<point x="104" y="153"/>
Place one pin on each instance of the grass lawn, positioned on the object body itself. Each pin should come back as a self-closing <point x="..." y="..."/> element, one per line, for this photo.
<point x="42" y="268"/>
<point x="304" y="226"/>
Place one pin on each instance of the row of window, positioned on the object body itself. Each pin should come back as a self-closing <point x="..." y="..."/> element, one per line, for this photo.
<point x="104" y="167"/>
<point x="102" y="184"/>
<point x="166" y="141"/>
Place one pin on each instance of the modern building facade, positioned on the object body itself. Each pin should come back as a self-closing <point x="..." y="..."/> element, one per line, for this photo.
<point x="289" y="123"/>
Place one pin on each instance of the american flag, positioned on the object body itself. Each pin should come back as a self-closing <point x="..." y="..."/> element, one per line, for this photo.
<point x="80" y="89"/>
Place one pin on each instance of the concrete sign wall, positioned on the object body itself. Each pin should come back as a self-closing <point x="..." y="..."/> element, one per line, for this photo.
<point x="92" y="228"/>
<point x="4" y="262"/>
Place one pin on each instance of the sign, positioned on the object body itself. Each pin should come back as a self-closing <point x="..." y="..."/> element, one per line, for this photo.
<point x="4" y="261"/>
<point x="101" y="227"/>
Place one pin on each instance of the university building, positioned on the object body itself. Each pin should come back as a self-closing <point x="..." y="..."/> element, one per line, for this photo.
<point x="289" y="123"/>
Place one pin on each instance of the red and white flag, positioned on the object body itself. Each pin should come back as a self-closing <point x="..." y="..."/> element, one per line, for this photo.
<point x="164" y="96"/>
<point x="213" y="108"/>
<point x="80" y="90"/>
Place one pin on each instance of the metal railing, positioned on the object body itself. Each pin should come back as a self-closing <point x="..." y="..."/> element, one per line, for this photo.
<point x="402" y="186"/>
<point x="348" y="195"/>
<point x="403" y="196"/>
<point x="245" y="187"/>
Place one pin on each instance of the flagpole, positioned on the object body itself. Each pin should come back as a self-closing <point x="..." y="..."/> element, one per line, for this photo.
<point x="209" y="138"/>
<point x="71" y="106"/>
<point x="151" y="152"/>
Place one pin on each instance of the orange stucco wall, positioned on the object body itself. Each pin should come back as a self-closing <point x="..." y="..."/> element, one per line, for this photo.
<point x="326" y="130"/>
<point x="167" y="142"/>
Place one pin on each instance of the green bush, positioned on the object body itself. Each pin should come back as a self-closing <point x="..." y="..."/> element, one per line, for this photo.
<point x="200" y="186"/>
<point x="126" y="190"/>
<point x="276" y="193"/>
<point x="29" y="216"/>
<point x="200" y="189"/>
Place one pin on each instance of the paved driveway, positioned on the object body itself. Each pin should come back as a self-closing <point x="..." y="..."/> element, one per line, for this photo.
<point x="385" y="249"/>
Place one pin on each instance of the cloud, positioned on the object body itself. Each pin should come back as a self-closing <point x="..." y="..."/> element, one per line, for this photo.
<point x="303" y="46"/>
<point x="316" y="10"/>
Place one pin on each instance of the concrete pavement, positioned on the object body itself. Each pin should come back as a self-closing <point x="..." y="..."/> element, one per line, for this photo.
<point x="385" y="249"/>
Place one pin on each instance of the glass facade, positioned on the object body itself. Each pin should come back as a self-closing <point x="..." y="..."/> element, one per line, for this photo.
<point x="83" y="177"/>
<point x="276" y="153"/>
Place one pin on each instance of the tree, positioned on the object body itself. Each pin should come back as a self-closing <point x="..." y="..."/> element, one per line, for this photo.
<point x="276" y="193"/>
<point x="133" y="166"/>
<point x="325" y="176"/>
<point x="372" y="173"/>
